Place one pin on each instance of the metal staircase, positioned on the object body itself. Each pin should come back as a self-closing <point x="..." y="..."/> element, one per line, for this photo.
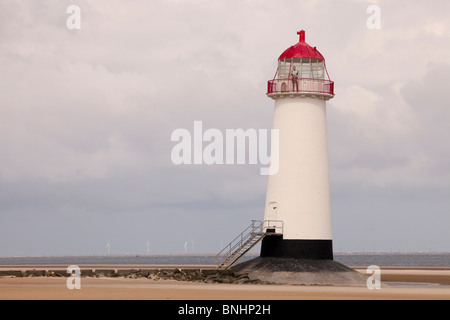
<point x="246" y="240"/>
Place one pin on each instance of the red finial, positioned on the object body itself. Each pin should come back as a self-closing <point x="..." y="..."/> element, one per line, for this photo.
<point x="302" y="35"/>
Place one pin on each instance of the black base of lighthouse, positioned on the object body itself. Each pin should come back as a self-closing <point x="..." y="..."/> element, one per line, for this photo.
<point x="276" y="246"/>
<point x="304" y="262"/>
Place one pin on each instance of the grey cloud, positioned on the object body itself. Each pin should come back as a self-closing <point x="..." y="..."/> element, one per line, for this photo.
<point x="86" y="119"/>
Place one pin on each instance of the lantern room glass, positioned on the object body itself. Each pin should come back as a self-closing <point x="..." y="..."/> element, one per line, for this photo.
<point x="307" y="68"/>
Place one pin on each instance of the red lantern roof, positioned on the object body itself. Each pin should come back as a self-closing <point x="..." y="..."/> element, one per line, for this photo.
<point x="301" y="50"/>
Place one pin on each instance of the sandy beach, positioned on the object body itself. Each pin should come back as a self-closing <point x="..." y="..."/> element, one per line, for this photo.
<point x="44" y="288"/>
<point x="398" y="283"/>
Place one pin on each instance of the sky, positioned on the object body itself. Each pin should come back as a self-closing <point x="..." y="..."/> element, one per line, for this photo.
<point x="86" y="117"/>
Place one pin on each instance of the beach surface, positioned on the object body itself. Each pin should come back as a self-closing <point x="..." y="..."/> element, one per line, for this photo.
<point x="397" y="283"/>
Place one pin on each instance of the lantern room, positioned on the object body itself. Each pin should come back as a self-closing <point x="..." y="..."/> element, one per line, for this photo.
<point x="301" y="71"/>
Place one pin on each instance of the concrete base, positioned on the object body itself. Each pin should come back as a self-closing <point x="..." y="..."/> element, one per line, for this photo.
<point x="301" y="272"/>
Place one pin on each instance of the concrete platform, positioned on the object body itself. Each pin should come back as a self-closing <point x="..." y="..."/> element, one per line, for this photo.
<point x="301" y="272"/>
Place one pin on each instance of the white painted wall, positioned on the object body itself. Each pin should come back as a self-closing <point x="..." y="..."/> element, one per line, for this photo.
<point x="301" y="188"/>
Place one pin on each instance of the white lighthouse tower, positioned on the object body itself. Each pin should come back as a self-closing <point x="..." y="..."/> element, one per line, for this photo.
<point x="296" y="233"/>
<point x="298" y="195"/>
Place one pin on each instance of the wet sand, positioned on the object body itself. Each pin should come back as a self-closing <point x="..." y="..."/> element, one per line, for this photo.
<point x="398" y="283"/>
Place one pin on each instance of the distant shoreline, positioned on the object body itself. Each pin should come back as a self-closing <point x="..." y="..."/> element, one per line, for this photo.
<point x="360" y="260"/>
<point x="214" y="254"/>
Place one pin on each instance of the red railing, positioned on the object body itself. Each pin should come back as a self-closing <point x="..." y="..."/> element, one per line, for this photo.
<point x="301" y="85"/>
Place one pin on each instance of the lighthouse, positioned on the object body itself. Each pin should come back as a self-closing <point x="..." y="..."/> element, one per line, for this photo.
<point x="295" y="235"/>
<point x="298" y="195"/>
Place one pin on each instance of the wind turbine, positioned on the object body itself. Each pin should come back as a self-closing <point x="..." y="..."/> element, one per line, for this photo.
<point x="148" y="247"/>
<point x="185" y="247"/>
<point x="108" y="246"/>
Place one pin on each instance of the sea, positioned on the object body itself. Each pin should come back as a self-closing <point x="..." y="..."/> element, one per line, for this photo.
<point x="417" y="259"/>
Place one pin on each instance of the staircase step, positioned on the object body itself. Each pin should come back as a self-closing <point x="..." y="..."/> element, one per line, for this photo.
<point x="245" y="241"/>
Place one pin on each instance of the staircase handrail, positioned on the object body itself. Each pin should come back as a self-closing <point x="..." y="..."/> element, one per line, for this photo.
<point x="246" y="240"/>
<point x="254" y="227"/>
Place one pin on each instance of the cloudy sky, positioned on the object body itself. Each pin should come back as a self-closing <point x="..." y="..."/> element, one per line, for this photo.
<point x="86" y="118"/>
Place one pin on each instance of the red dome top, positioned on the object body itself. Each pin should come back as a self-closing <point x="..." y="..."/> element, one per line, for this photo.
<point x="301" y="50"/>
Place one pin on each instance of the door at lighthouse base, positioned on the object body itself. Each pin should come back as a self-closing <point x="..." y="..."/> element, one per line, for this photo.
<point x="272" y="215"/>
